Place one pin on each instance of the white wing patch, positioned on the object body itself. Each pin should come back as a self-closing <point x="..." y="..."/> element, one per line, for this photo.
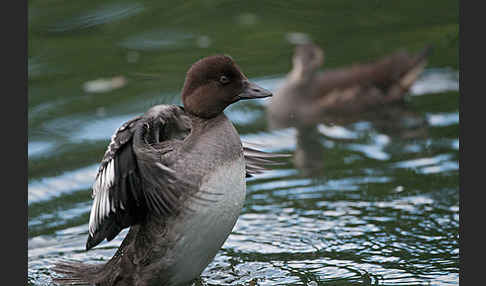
<point x="101" y="204"/>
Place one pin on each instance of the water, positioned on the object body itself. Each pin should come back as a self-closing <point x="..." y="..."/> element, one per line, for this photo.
<point x="380" y="205"/>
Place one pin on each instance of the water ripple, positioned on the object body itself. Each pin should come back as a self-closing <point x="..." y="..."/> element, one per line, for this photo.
<point x="98" y="16"/>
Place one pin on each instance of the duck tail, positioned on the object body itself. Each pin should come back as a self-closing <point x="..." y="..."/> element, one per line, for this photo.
<point x="416" y="68"/>
<point x="78" y="273"/>
<point x="405" y="70"/>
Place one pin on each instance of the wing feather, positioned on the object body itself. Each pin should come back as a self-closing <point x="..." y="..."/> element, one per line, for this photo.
<point x="258" y="161"/>
<point x="133" y="179"/>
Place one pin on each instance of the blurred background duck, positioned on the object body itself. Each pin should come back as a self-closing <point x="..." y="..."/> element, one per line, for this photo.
<point x="341" y="95"/>
<point x="373" y="91"/>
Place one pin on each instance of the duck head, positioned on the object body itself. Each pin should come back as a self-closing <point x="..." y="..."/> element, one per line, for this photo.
<point x="213" y="83"/>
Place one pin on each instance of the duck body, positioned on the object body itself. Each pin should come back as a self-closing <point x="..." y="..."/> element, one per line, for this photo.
<point x="199" y="234"/>
<point x="176" y="177"/>
<point x="186" y="243"/>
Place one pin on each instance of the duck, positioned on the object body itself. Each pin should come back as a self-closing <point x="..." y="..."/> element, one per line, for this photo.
<point x="343" y="95"/>
<point x="175" y="176"/>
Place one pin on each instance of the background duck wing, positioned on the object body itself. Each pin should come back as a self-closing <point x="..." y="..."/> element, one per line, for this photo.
<point x="361" y="86"/>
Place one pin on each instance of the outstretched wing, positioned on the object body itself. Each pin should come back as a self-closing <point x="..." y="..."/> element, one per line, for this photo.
<point x="134" y="179"/>
<point x="258" y="161"/>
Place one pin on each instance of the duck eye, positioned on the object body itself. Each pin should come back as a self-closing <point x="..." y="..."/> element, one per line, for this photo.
<point x="224" y="79"/>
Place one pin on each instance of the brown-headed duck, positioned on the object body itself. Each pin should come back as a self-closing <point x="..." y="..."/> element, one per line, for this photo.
<point x="309" y="96"/>
<point x="176" y="176"/>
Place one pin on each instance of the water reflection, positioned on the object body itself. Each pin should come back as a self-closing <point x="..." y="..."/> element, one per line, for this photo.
<point x="100" y="15"/>
<point x="158" y="40"/>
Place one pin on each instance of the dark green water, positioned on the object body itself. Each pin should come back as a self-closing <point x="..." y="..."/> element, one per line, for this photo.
<point x="383" y="209"/>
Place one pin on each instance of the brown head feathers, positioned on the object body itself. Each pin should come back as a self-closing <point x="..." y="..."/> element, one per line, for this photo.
<point x="213" y="83"/>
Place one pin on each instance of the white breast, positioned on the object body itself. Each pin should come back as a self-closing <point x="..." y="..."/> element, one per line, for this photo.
<point x="203" y="232"/>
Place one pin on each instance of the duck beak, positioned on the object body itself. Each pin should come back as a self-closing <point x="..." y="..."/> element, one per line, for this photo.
<point x="252" y="90"/>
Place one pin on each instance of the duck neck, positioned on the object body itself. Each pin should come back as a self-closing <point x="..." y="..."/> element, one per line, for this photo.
<point x="301" y="75"/>
<point x="200" y="124"/>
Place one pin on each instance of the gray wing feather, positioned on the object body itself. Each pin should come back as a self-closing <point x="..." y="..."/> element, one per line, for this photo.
<point x="134" y="179"/>
<point x="258" y="161"/>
